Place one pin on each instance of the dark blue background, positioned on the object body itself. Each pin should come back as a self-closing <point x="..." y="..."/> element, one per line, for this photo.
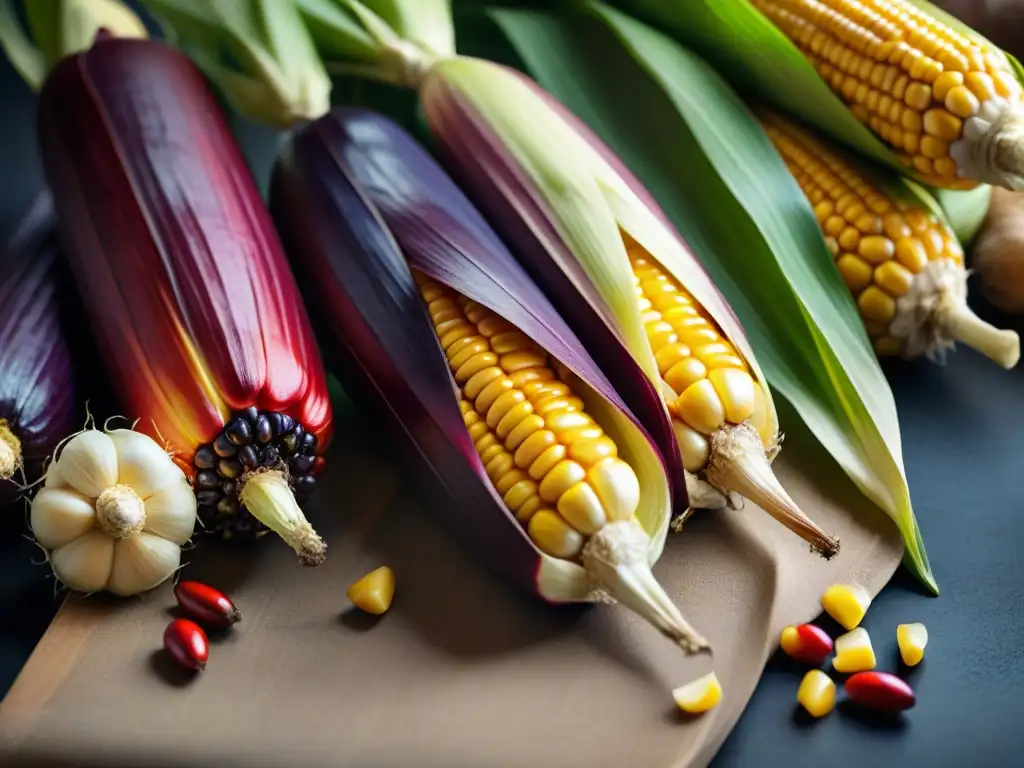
<point x="964" y="451"/>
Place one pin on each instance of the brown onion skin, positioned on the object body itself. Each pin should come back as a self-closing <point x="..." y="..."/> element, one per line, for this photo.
<point x="38" y="386"/>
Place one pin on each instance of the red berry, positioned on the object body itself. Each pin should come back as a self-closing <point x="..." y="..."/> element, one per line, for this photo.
<point x="807" y="644"/>
<point x="206" y="604"/>
<point x="880" y="691"/>
<point x="186" y="643"/>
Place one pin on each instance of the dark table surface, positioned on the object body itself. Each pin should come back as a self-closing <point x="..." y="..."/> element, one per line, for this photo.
<point x="964" y="452"/>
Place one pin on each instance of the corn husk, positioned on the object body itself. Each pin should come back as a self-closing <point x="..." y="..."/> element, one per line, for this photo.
<point x="702" y="153"/>
<point x="58" y="28"/>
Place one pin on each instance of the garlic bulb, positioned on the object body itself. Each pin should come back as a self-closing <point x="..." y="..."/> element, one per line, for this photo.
<point x="114" y="513"/>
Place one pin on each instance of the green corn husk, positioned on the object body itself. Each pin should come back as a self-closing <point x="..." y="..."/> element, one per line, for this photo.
<point x="258" y="52"/>
<point x="712" y="168"/>
<point x="58" y="28"/>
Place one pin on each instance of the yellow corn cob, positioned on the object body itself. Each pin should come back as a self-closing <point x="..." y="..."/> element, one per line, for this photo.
<point x="949" y="106"/>
<point x="555" y="468"/>
<point x="552" y="464"/>
<point x="719" y="412"/>
<point x="903" y="265"/>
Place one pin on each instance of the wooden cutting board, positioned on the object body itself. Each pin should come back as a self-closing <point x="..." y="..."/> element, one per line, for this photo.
<point x="463" y="671"/>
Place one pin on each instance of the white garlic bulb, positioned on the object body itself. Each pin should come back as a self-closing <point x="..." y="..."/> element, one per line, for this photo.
<point x="114" y="513"/>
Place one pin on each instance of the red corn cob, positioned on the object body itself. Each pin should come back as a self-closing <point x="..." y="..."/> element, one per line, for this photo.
<point x="195" y="311"/>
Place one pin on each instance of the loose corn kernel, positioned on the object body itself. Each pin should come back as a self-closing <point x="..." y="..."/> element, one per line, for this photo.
<point x="550" y="462"/>
<point x="374" y="592"/>
<point x="806" y="643"/>
<point x="817" y="693"/>
<point x="846" y="603"/>
<point x="912" y="638"/>
<point x="854" y="652"/>
<point x="699" y="695"/>
<point x="713" y="384"/>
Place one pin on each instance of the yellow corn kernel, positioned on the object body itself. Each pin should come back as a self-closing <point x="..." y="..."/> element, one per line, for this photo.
<point x="918" y="96"/>
<point x="876" y="249"/>
<point x="893" y="278"/>
<point x="944" y="83"/>
<point x="874" y="304"/>
<point x="933" y="148"/>
<point x="896" y="227"/>
<point x="817" y="693"/>
<point x="846" y="603"/>
<point x="699" y="695"/>
<point x="684" y="373"/>
<point x="910" y="252"/>
<point x="942" y="125"/>
<point x="853" y="652"/>
<point x="912" y="638"/>
<point x="961" y="102"/>
<point x="374" y="592"/>
<point x="735" y="391"/>
<point x="553" y="535"/>
<point x="693" y="446"/>
<point x="700" y="407"/>
<point x="981" y="85"/>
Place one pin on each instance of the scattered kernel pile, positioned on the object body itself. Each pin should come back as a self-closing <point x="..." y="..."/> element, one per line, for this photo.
<point x="854" y="655"/>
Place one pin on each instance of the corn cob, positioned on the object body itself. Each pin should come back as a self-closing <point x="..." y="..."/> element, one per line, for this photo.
<point x="554" y="467"/>
<point x="719" y="412"/>
<point x="903" y="266"/>
<point x="188" y="293"/>
<point x="538" y="465"/>
<point x="948" y="105"/>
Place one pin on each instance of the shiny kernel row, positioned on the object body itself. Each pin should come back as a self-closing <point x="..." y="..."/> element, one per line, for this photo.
<point x="552" y="464"/>
<point x="713" y="383"/>
<point x="911" y="80"/>
<point x="879" y="244"/>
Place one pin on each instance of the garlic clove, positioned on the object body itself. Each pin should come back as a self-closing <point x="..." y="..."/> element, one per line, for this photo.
<point x="141" y="562"/>
<point x="85" y="564"/>
<point x="54" y="479"/>
<point x="59" y="516"/>
<point x="88" y="463"/>
<point x="141" y="463"/>
<point x="171" y="513"/>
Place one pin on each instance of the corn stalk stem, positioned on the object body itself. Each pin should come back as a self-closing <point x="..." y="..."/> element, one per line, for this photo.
<point x="959" y="322"/>
<point x="738" y="464"/>
<point x="268" y="497"/>
<point x="10" y="451"/>
<point x="615" y="558"/>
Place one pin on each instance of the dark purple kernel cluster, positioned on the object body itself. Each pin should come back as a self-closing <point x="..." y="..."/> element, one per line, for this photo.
<point x="251" y="439"/>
